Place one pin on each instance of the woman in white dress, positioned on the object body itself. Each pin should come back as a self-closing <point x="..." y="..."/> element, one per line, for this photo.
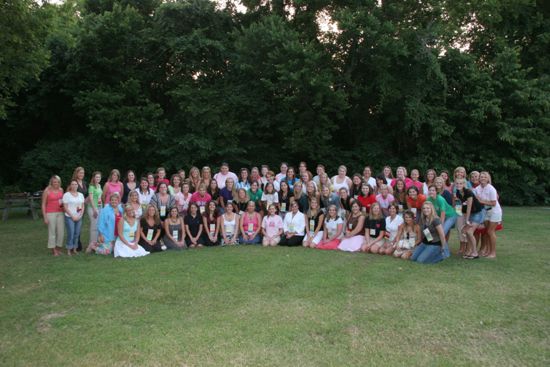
<point x="126" y="244"/>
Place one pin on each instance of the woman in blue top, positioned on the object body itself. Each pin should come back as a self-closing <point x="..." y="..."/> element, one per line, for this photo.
<point x="106" y="223"/>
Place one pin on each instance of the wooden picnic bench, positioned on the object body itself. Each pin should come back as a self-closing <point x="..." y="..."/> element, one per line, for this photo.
<point x="20" y="199"/>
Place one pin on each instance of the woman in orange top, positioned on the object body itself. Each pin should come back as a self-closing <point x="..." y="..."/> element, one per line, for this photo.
<point x="414" y="200"/>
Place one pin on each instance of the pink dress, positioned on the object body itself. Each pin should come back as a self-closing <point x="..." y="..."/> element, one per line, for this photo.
<point x="354" y="243"/>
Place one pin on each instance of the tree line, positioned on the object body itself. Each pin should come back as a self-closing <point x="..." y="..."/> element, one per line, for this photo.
<point x="143" y="83"/>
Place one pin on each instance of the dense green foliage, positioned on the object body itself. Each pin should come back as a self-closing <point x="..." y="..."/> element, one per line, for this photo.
<point x="137" y="84"/>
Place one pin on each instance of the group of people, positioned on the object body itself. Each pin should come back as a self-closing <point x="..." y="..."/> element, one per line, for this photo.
<point x="385" y="214"/>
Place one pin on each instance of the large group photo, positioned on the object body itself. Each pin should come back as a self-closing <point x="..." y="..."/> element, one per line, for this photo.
<point x="296" y="183"/>
<point x="381" y="214"/>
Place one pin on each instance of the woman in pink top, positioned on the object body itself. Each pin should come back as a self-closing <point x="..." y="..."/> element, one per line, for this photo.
<point x="112" y="185"/>
<point x="52" y="211"/>
<point x="250" y="225"/>
<point x="384" y="199"/>
<point x="401" y="172"/>
<point x="272" y="227"/>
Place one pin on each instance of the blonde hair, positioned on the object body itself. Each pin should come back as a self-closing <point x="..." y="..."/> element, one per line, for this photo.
<point x="371" y="212"/>
<point x="459" y="169"/>
<point x="54" y="177"/>
<point x="126" y="207"/>
<point x="428" y="219"/>
<point x="133" y="192"/>
<point x="488" y="176"/>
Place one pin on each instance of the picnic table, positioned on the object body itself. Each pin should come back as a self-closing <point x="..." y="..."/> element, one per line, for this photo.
<point x="20" y="199"/>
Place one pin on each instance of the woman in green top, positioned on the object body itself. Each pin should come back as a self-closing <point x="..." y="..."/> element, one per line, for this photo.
<point x="255" y="194"/>
<point x="94" y="204"/>
<point x="446" y="213"/>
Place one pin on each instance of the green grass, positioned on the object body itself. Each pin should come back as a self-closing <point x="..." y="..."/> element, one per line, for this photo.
<point x="251" y="306"/>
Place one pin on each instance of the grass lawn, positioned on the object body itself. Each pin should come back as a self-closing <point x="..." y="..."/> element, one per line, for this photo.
<point x="253" y="306"/>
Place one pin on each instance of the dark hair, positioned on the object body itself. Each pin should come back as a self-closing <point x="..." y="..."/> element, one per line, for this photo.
<point x="412" y="188"/>
<point x="382" y="178"/>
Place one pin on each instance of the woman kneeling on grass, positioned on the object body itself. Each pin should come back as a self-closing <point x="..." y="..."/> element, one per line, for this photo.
<point x="353" y="238"/>
<point x="375" y="231"/>
<point x="106" y="226"/>
<point x="314" y="225"/>
<point x="332" y="230"/>
<point x="229" y="224"/>
<point x="272" y="227"/>
<point x="128" y="231"/>
<point x="174" y="232"/>
<point x="150" y="229"/>
<point x="432" y="248"/>
<point x="408" y="236"/>
<point x="294" y="226"/>
<point x="393" y="221"/>
<point x="250" y="225"/>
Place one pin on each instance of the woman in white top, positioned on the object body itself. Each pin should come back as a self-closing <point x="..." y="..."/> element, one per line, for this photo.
<point x="73" y="206"/>
<point x="332" y="230"/>
<point x="393" y="221"/>
<point x="367" y="176"/>
<point x="145" y="192"/>
<point x="229" y="225"/>
<point x="133" y="200"/>
<point x="487" y="195"/>
<point x="294" y="227"/>
<point x="341" y="180"/>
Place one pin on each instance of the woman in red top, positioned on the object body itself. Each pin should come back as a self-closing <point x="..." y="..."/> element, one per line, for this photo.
<point x="367" y="197"/>
<point x="414" y="200"/>
<point x="52" y="211"/>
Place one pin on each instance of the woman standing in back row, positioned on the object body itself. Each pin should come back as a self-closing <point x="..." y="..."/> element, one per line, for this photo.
<point x="487" y="195"/>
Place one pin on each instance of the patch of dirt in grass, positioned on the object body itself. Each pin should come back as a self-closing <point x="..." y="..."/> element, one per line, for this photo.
<point x="44" y="322"/>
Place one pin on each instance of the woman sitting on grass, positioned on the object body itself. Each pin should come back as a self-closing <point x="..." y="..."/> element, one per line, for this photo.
<point x="353" y="238"/>
<point x="229" y="225"/>
<point x="150" y="230"/>
<point x="174" y="235"/>
<point x="294" y="226"/>
<point x="272" y="227"/>
<point x="407" y="237"/>
<point x="314" y="224"/>
<point x="193" y="227"/>
<point x="432" y="248"/>
<point x="375" y="230"/>
<point x="333" y="227"/>
<point x="126" y="244"/>
<point x="250" y="225"/>
<point x="210" y="224"/>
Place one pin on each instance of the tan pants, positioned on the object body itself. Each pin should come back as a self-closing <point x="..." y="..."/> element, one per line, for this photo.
<point x="93" y="224"/>
<point x="56" y="229"/>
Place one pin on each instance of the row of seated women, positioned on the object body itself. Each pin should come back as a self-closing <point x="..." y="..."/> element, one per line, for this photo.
<point x="465" y="205"/>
